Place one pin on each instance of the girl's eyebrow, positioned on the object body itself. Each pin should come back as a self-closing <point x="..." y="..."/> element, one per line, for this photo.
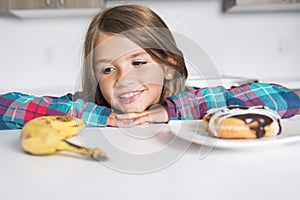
<point x="107" y="60"/>
<point x="140" y="53"/>
<point x="103" y="60"/>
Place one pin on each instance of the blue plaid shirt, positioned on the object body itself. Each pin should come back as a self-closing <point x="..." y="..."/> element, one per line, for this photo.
<point x="193" y="105"/>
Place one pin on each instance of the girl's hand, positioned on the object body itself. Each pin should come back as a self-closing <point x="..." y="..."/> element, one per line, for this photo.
<point x="114" y="122"/>
<point x="158" y="114"/>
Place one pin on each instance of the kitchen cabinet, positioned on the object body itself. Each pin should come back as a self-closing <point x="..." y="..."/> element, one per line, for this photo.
<point x="46" y="6"/>
<point x="260" y="5"/>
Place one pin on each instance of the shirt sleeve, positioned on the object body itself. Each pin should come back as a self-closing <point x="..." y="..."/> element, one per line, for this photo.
<point x="281" y="99"/>
<point x="17" y="108"/>
<point x="193" y="105"/>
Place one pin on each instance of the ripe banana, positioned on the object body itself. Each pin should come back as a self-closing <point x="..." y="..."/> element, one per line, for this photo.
<point x="47" y="135"/>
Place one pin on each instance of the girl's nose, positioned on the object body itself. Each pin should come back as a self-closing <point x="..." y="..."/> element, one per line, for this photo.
<point x="126" y="78"/>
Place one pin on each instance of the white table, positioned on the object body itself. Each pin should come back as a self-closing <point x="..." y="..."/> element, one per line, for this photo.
<point x="271" y="172"/>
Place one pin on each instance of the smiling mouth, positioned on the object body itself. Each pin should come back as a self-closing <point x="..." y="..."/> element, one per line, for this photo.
<point x="130" y="96"/>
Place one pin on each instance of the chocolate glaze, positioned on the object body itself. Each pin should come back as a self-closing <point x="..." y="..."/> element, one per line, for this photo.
<point x="262" y="121"/>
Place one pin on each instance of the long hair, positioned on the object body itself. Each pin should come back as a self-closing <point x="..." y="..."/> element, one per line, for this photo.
<point x="145" y="28"/>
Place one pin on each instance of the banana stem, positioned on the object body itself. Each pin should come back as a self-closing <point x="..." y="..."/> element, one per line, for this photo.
<point x="95" y="153"/>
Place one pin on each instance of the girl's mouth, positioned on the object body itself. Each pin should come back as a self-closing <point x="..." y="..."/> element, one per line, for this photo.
<point x="130" y="97"/>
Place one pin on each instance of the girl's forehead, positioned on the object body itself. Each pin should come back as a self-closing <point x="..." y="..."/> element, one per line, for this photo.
<point x="113" y="46"/>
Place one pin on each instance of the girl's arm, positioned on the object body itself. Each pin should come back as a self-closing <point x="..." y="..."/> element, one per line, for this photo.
<point x="17" y="108"/>
<point x="193" y="105"/>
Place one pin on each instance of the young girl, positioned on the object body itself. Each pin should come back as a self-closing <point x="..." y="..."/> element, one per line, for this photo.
<point x="133" y="73"/>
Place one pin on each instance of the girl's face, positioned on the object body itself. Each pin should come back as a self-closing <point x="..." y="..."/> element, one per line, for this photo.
<point x="129" y="79"/>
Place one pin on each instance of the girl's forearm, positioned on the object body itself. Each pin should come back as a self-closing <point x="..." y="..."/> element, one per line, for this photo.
<point x="16" y="109"/>
<point x="281" y="99"/>
<point x="193" y="105"/>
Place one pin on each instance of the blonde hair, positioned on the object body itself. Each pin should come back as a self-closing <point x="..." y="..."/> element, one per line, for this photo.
<point x="145" y="28"/>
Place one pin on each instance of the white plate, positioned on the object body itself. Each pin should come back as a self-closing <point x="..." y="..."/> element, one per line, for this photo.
<point x="193" y="131"/>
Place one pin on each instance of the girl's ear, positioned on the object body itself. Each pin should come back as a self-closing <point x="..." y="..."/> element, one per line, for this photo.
<point x="169" y="72"/>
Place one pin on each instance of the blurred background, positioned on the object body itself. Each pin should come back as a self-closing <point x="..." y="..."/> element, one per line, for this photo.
<point x="42" y="55"/>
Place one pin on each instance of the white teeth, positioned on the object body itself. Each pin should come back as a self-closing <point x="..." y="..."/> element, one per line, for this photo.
<point x="128" y="95"/>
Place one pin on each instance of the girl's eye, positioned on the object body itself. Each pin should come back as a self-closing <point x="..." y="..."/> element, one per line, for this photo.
<point x="108" y="70"/>
<point x="139" y="63"/>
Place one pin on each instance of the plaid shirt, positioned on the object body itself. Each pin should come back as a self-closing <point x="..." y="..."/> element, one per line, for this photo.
<point x="16" y="108"/>
<point x="193" y="105"/>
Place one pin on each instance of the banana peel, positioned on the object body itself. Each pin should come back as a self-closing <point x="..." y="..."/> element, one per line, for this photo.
<point x="47" y="135"/>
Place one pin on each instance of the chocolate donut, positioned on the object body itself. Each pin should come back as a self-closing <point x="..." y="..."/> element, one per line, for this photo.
<point x="242" y="122"/>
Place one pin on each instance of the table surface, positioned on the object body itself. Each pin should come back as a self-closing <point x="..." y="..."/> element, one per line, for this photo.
<point x="150" y="162"/>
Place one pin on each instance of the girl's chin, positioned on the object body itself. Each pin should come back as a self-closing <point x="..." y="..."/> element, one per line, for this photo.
<point x="131" y="109"/>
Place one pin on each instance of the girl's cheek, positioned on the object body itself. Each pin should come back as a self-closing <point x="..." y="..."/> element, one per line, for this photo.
<point x="104" y="86"/>
<point x="150" y="76"/>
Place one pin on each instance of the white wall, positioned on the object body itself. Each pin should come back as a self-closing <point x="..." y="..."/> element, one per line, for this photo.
<point x="43" y="55"/>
